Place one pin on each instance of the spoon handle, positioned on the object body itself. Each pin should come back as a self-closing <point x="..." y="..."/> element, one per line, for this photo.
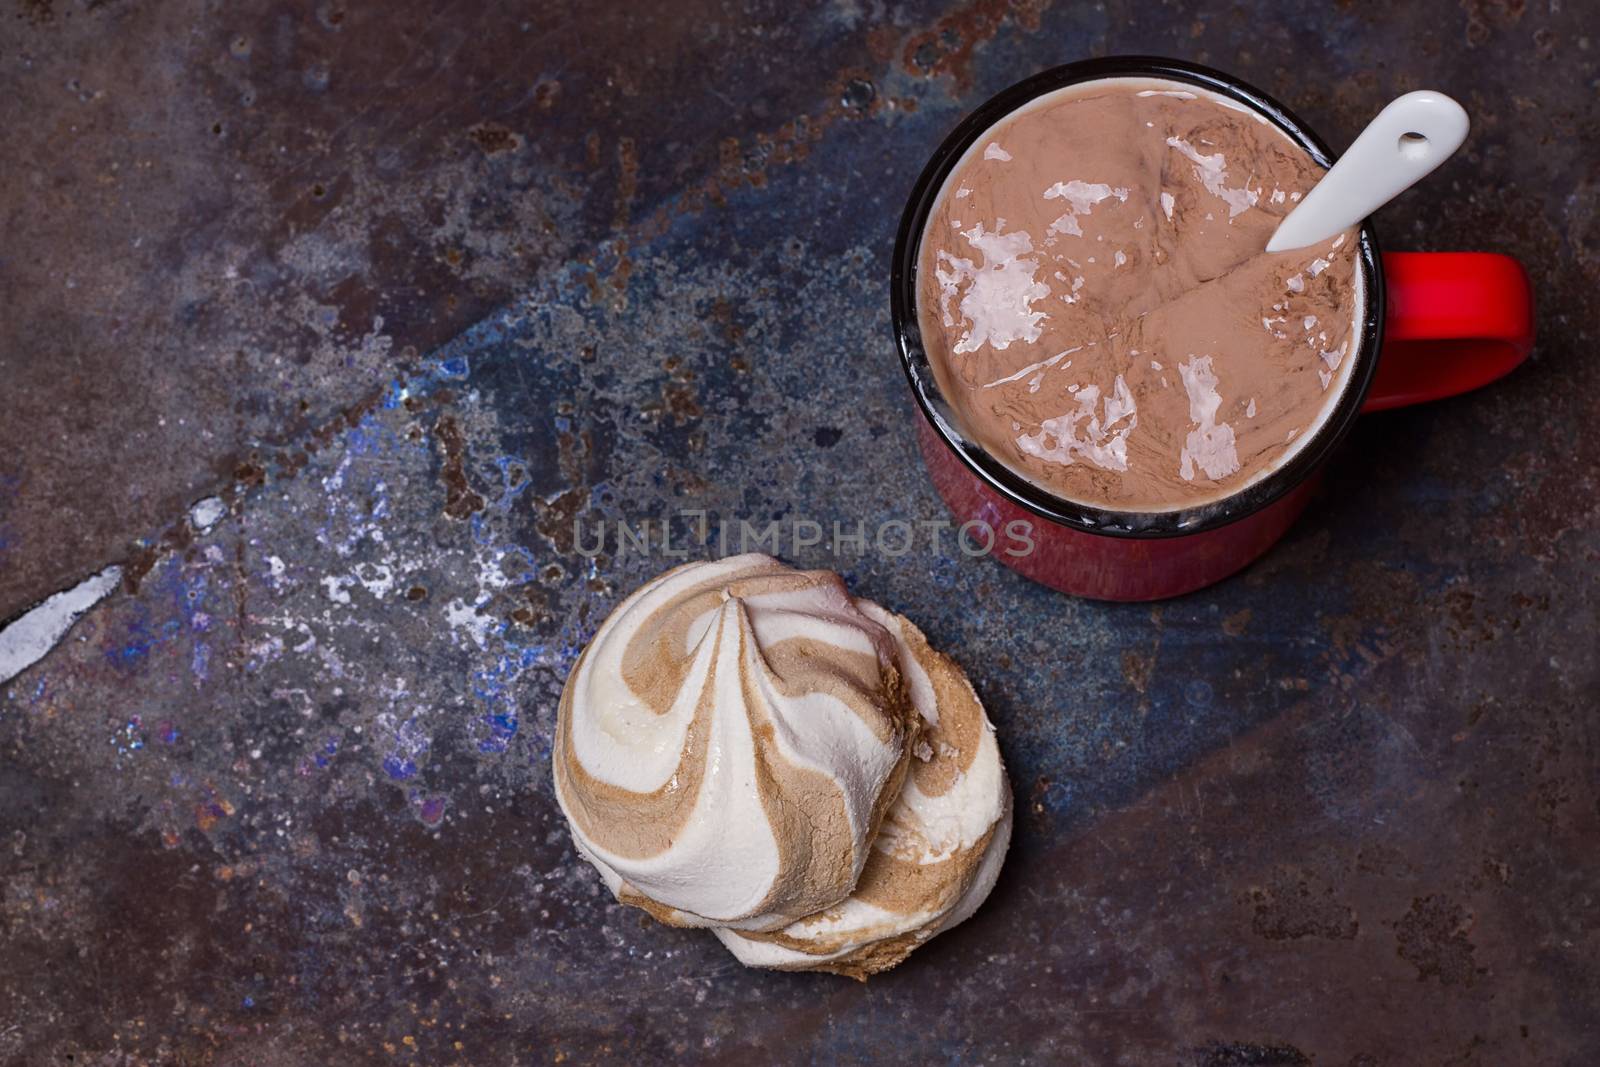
<point x="1407" y="140"/>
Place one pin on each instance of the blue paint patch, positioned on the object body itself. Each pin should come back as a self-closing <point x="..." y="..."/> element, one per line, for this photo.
<point x="141" y="639"/>
<point x="510" y="488"/>
<point x="200" y="661"/>
<point x="399" y="768"/>
<point x="502" y="728"/>
<point x="368" y="437"/>
<point x="410" y="743"/>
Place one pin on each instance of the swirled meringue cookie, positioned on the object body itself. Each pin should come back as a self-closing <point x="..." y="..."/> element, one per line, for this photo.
<point x="940" y="848"/>
<point x="729" y="741"/>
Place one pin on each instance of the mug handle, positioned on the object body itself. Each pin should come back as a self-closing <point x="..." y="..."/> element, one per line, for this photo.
<point x="1455" y="321"/>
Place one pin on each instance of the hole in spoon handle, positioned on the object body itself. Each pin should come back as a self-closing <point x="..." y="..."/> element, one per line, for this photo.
<point x="1413" y="145"/>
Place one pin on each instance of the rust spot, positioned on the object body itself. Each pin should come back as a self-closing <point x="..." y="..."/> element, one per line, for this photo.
<point x="138" y="566"/>
<point x="678" y="403"/>
<point x="36" y="12"/>
<point x="572" y="452"/>
<point x="1137" y="669"/>
<point x="1245" y="1054"/>
<point x="494" y="138"/>
<point x="208" y="813"/>
<point x="554" y="518"/>
<point x="1485" y="16"/>
<point x="1036" y="796"/>
<point x="177" y="538"/>
<point x="1291" y="909"/>
<point x="627" y="181"/>
<point x="538" y="608"/>
<point x="947" y="47"/>
<point x="357" y="303"/>
<point x="1432" y="937"/>
<point x="739" y="164"/>
<point x="1235" y="624"/>
<point x="460" y="500"/>
<point x="250" y="474"/>
<point x="591" y="282"/>
<point x="722" y="315"/>
<point x="883" y="41"/>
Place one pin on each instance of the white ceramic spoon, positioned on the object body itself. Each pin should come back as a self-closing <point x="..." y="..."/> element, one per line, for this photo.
<point x="1404" y="144"/>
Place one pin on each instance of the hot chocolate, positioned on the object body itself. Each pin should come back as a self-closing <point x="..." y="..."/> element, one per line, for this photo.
<point x="1098" y="306"/>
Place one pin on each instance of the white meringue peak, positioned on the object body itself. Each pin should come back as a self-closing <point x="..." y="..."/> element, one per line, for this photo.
<point x="729" y="741"/>
<point x="941" y="846"/>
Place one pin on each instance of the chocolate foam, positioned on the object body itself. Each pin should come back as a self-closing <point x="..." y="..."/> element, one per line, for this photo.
<point x="1095" y="297"/>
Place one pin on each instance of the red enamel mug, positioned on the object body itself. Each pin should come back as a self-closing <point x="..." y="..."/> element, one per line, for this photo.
<point x="1435" y="324"/>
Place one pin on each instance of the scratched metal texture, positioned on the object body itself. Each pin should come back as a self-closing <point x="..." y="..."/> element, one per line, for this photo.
<point x="416" y="289"/>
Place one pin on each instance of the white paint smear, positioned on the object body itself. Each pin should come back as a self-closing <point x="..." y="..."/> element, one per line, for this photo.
<point x="206" y="513"/>
<point x="27" y="640"/>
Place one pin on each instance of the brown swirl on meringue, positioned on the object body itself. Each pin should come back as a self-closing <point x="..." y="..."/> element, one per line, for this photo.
<point x="729" y="742"/>
<point x="939" y="850"/>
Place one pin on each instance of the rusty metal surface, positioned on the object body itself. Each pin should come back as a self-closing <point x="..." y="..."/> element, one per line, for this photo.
<point x="414" y="288"/>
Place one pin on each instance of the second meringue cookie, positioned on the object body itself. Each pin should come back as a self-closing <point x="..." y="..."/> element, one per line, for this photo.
<point x="729" y="741"/>
<point x="941" y="846"/>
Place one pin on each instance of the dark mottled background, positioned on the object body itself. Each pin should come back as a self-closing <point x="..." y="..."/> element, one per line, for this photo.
<point x="412" y="287"/>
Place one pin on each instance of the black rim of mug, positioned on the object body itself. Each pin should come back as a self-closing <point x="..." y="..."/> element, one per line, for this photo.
<point x="1010" y="484"/>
